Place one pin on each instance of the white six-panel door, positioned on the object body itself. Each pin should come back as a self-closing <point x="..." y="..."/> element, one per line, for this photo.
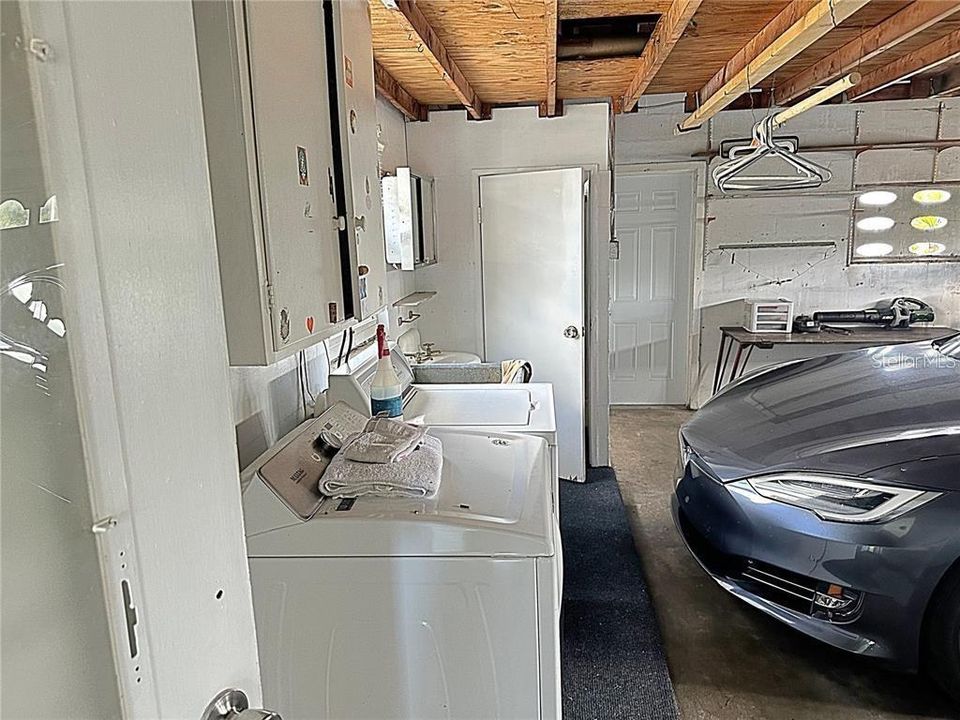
<point x="650" y="287"/>
<point x="532" y="226"/>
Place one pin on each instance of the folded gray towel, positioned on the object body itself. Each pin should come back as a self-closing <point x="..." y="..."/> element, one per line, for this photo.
<point x="415" y="476"/>
<point x="383" y="440"/>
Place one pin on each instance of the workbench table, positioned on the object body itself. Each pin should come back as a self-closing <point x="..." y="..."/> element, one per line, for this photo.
<point x="857" y="335"/>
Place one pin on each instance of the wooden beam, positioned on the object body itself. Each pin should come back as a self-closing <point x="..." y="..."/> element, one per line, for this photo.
<point x="757" y="99"/>
<point x="421" y="36"/>
<point x="788" y="17"/>
<point x="542" y="109"/>
<point x="948" y="84"/>
<point x="550" y="29"/>
<point x="668" y="31"/>
<point x="761" y="62"/>
<point x="396" y="95"/>
<point x="929" y="57"/>
<point x="913" y="19"/>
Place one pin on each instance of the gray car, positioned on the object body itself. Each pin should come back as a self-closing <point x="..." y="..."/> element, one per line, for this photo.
<point x="826" y="493"/>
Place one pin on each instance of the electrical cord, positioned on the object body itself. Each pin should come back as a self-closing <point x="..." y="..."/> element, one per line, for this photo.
<point x="306" y="378"/>
<point x="350" y="345"/>
<point x="303" y="399"/>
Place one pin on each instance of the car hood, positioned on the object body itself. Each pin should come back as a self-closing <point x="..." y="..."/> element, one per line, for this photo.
<point x="850" y="413"/>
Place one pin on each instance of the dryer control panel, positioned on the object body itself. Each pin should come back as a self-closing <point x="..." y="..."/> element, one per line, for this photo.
<point x="294" y="472"/>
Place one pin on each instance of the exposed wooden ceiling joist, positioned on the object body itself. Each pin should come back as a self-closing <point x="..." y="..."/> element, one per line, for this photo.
<point x="421" y="35"/>
<point x="398" y="97"/>
<point x="768" y="55"/>
<point x="549" y="108"/>
<point x="611" y="8"/>
<point x="782" y="22"/>
<point x="948" y="84"/>
<point x="668" y="31"/>
<point x="913" y="19"/>
<point x="938" y="53"/>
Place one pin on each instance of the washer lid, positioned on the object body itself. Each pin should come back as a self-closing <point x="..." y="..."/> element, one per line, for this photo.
<point x="494" y="500"/>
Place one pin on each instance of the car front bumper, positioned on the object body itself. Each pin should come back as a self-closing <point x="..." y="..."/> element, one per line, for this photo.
<point x="773" y="555"/>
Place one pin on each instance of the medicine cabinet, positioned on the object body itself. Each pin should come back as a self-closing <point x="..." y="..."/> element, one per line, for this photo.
<point x="409" y="219"/>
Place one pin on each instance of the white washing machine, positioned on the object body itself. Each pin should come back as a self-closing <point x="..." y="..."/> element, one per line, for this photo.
<point x="386" y="608"/>
<point x="524" y="408"/>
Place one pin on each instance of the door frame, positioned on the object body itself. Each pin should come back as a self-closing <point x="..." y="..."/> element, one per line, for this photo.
<point x="695" y="281"/>
<point x="597" y="225"/>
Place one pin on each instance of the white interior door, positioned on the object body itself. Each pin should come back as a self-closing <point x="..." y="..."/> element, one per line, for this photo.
<point x="53" y="616"/>
<point x="532" y="230"/>
<point x="144" y="449"/>
<point x="650" y="288"/>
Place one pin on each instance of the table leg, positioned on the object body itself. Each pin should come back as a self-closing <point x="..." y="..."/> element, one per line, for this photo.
<point x="718" y="373"/>
<point x="746" y="360"/>
<point x="736" y="362"/>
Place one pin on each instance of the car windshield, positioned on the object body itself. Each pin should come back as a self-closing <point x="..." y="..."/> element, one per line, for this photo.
<point x="949" y="346"/>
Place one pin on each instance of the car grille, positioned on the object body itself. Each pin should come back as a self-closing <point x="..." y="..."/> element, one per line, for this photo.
<point x="783" y="587"/>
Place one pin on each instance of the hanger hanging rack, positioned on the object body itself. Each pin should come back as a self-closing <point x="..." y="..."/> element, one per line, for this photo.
<point x="804" y="174"/>
<point x="821" y="96"/>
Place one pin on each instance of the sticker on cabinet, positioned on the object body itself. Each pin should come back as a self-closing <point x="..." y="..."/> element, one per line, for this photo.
<point x="302" y="166"/>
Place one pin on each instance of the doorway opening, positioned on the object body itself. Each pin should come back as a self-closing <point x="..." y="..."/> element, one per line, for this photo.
<point x="652" y="327"/>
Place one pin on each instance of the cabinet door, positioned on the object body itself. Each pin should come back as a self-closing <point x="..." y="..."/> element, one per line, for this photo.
<point x="360" y="129"/>
<point x="291" y="110"/>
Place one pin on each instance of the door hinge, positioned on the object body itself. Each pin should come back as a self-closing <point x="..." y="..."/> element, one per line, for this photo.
<point x="586" y="189"/>
<point x="269" y="296"/>
<point x="480" y="215"/>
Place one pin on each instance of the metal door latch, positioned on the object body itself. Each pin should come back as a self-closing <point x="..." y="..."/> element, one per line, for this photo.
<point x="101" y="526"/>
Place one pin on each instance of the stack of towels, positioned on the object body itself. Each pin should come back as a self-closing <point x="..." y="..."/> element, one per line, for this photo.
<point x="389" y="458"/>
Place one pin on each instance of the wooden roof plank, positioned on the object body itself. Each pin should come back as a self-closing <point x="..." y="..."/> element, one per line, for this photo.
<point x="403" y="101"/>
<point x="669" y="29"/>
<point x="913" y="19"/>
<point x="801" y="34"/>
<point x="422" y="36"/>
<point x="550" y="29"/>
<point x="929" y="57"/>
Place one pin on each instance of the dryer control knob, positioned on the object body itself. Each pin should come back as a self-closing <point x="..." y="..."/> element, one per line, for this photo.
<point x="328" y="443"/>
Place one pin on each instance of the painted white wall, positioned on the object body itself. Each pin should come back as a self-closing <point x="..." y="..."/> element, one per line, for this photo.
<point x="266" y="400"/>
<point x="814" y="278"/>
<point x="455" y="151"/>
<point x="451" y="149"/>
<point x="393" y="139"/>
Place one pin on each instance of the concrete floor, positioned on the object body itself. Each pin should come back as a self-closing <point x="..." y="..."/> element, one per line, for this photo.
<point x="727" y="660"/>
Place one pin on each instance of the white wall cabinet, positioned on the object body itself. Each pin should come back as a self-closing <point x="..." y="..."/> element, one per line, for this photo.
<point x="358" y="125"/>
<point x="287" y="261"/>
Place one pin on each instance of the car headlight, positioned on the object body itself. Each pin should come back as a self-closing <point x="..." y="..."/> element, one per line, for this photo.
<point x="838" y="498"/>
